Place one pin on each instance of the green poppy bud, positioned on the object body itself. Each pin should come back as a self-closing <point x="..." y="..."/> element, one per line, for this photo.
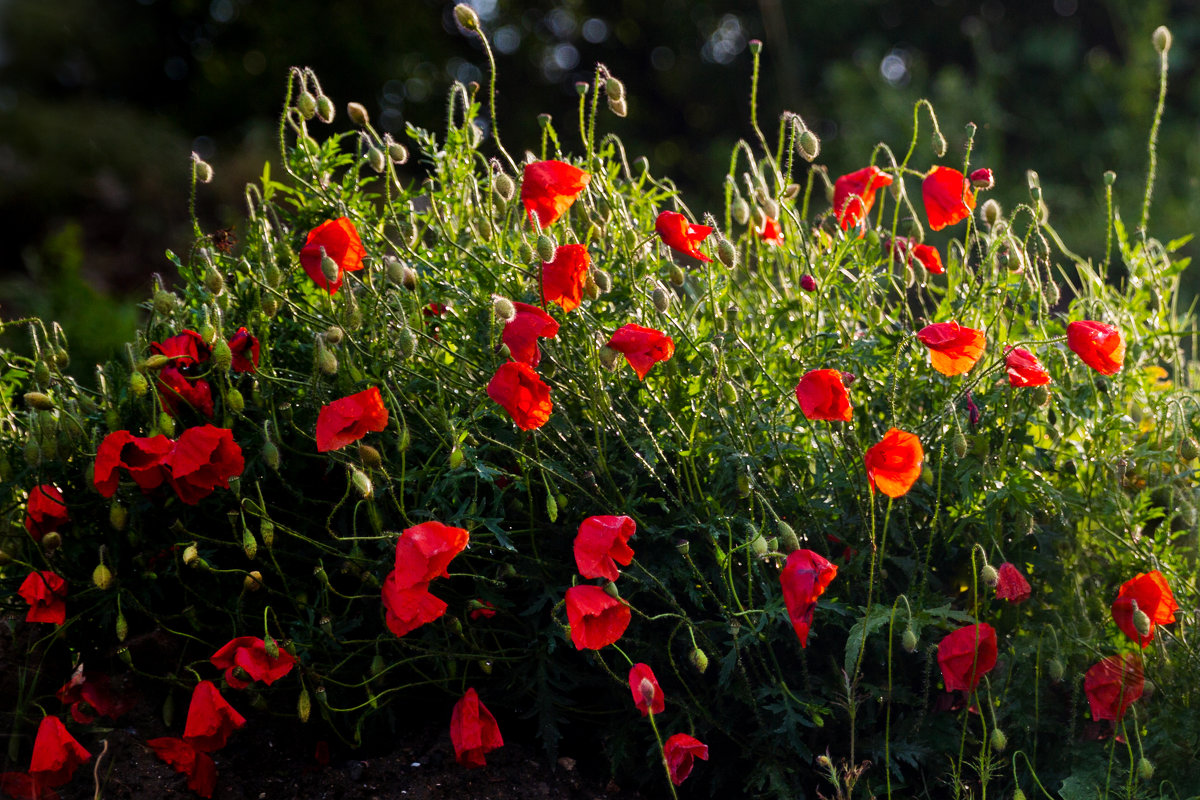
<point x="788" y="541"/>
<point x="214" y="281"/>
<point x="39" y="401"/>
<point x="698" y="660"/>
<point x="166" y="425"/>
<point x="909" y="640"/>
<point x="466" y="17"/>
<point x="661" y="300"/>
<point x="546" y="247"/>
<point x="102" y="577"/>
<point x="726" y="253"/>
<point x="676" y="275"/>
<point x="504" y="186"/>
<point x="122" y="627"/>
<point x="397" y="152"/>
<point x="361" y="482"/>
<point x="325" y="110"/>
<point x="959" y="444"/>
<point x="503" y="308"/>
<point x="456" y="458"/>
<point x="358" y="115"/>
<point x="1145" y="770"/>
<point x="376" y="159"/>
<point x="524" y="252"/>
<point x="306" y="104"/>
<point x="741" y="211"/>
<point x="551" y="508"/>
<point x="41" y="374"/>
<point x="989" y="575"/>
<point x="406" y="342"/>
<point x="808" y="145"/>
<point x="249" y="543"/>
<point x="266" y="529"/>
<point x="998" y="740"/>
<point x="1161" y="39"/>
<point x="1188" y="448"/>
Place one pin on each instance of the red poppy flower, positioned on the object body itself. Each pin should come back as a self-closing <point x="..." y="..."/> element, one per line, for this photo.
<point x="349" y="419"/>
<point x="175" y="388"/>
<point x="56" y="754"/>
<point x="1154" y="599"/>
<point x="522" y="393"/>
<point x="642" y="347"/>
<point x="46" y="594"/>
<point x="1024" y="369"/>
<point x="966" y="655"/>
<point x="1100" y="346"/>
<point x="771" y="231"/>
<point x="563" y="276"/>
<point x="854" y="194"/>
<point x="549" y="188"/>
<point x="906" y="249"/>
<point x="244" y="347"/>
<point x="522" y="331"/>
<point x="894" y="464"/>
<point x="648" y="698"/>
<point x="210" y="719"/>
<point x="597" y="619"/>
<point x="144" y="458"/>
<point x="823" y="396"/>
<point x="601" y="544"/>
<point x="804" y="578"/>
<point x="199" y="767"/>
<point x="1011" y="584"/>
<point x="21" y="786"/>
<point x="250" y="653"/>
<point x="482" y="610"/>
<point x="85" y="692"/>
<point x="45" y="511"/>
<point x="473" y="731"/>
<point x="203" y="458"/>
<point x="423" y="552"/>
<point x="337" y="239"/>
<point x="408" y="607"/>
<point x="982" y="178"/>
<point x="953" y="349"/>
<point x="185" y="349"/>
<point x="948" y="197"/>
<point x="1114" y="684"/>
<point x="681" y="235"/>
<point x="680" y="751"/>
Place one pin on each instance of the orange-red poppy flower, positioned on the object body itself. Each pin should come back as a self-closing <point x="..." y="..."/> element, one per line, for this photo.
<point x="1114" y="684"/>
<point x="906" y="249"/>
<point x="199" y="766"/>
<point x="966" y="655"/>
<point x="56" y="756"/>
<point x="680" y="752"/>
<point x="1011" y="584"/>
<point x="349" y="419"/>
<point x="1152" y="594"/>
<point x="854" y="194"/>
<point x="210" y="720"/>
<point x="144" y="458"/>
<point x="953" y="349"/>
<point x="601" y="544"/>
<point x="822" y="395"/>
<point x="803" y="580"/>
<point x="522" y="332"/>
<point x="249" y="653"/>
<point x="771" y="231"/>
<point x="549" y="188"/>
<point x="642" y="347"/>
<point x="473" y="730"/>
<point x="894" y="464"/>
<point x="982" y="178"/>
<point x="948" y="197"/>
<point x="563" y="277"/>
<point x="338" y="240"/>
<point x="1024" y="369"/>
<point x="424" y="552"/>
<point x="596" y="618"/>
<point x="522" y="393"/>
<point x="1100" y="346"/>
<point x="407" y="608"/>
<point x="681" y="235"/>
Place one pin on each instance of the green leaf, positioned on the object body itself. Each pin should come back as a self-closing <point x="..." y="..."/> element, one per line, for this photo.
<point x="858" y="634"/>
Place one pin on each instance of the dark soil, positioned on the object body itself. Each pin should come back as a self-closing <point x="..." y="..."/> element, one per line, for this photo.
<point x="265" y="761"/>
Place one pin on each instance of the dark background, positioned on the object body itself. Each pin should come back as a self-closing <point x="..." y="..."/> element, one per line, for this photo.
<point x="102" y="101"/>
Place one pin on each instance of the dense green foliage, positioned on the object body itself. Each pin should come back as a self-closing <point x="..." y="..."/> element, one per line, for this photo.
<point x="1082" y="484"/>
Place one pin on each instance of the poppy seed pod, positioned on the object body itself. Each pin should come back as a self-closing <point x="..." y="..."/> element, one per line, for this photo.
<point x="1110" y="177"/>
<point x="357" y="113"/>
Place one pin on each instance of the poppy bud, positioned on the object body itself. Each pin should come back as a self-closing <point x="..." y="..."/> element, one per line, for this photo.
<point x="122" y="627"/>
<point x="926" y="475"/>
<point x="646" y="690"/>
<point x="758" y="546"/>
<point x="270" y="455"/>
<point x="456" y="459"/>
<point x="164" y="302"/>
<point x="306" y="104"/>
<point x="376" y="159"/>
<point x="939" y="144"/>
<point x="118" y="516"/>
<point x="1161" y="38"/>
<point x="728" y="394"/>
<point x="358" y="115"/>
<point x="609" y="358"/>
<point x="1141" y="620"/>
<point x="743" y="485"/>
<point x="989" y="575"/>
<point x="524" y="252"/>
<point x="1110" y="177"/>
<point x="191" y="556"/>
<point x="266" y="529"/>
<point x="909" y="640"/>
<point x="1145" y="770"/>
<point x="166" y="425"/>
<point x="982" y="179"/>
<point x="755" y="46"/>
<point x="397" y="152"/>
<point x="204" y="171"/>
<point x="102" y="577"/>
<point x="808" y="283"/>
<point x="503" y="308"/>
<point x="39" y="401"/>
<point x="325" y="109"/>
<point x="741" y="212"/>
<point x="404" y="440"/>
<point x="41" y="374"/>
<point x="808" y="145"/>
<point x="303" y="705"/>
<point x="213" y="281"/>
<point x="466" y="17"/>
<point x="1188" y="449"/>
<point x="959" y="444"/>
<point x="676" y="275"/>
<point x="329" y="267"/>
<point x="125" y="656"/>
<point x="1053" y="293"/>
<point x="326" y="360"/>
<point x="661" y="300"/>
<point x="590" y="287"/>
<point x="504" y="186"/>
<point x="369" y="456"/>
<point x="252" y="582"/>
<point x="545" y="247"/>
<point x="361" y="482"/>
<point x="611" y="590"/>
<point x="618" y="107"/>
<point x="989" y="212"/>
<point x="770" y="208"/>
<point x="788" y="541"/>
<point x="51" y="541"/>
<point x="614" y="89"/>
<point x="726" y="252"/>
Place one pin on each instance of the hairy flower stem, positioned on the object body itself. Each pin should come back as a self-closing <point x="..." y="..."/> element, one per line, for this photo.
<point x="1152" y="144"/>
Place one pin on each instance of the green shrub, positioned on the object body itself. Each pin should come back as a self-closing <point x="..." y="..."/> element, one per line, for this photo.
<point x="1081" y="484"/>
